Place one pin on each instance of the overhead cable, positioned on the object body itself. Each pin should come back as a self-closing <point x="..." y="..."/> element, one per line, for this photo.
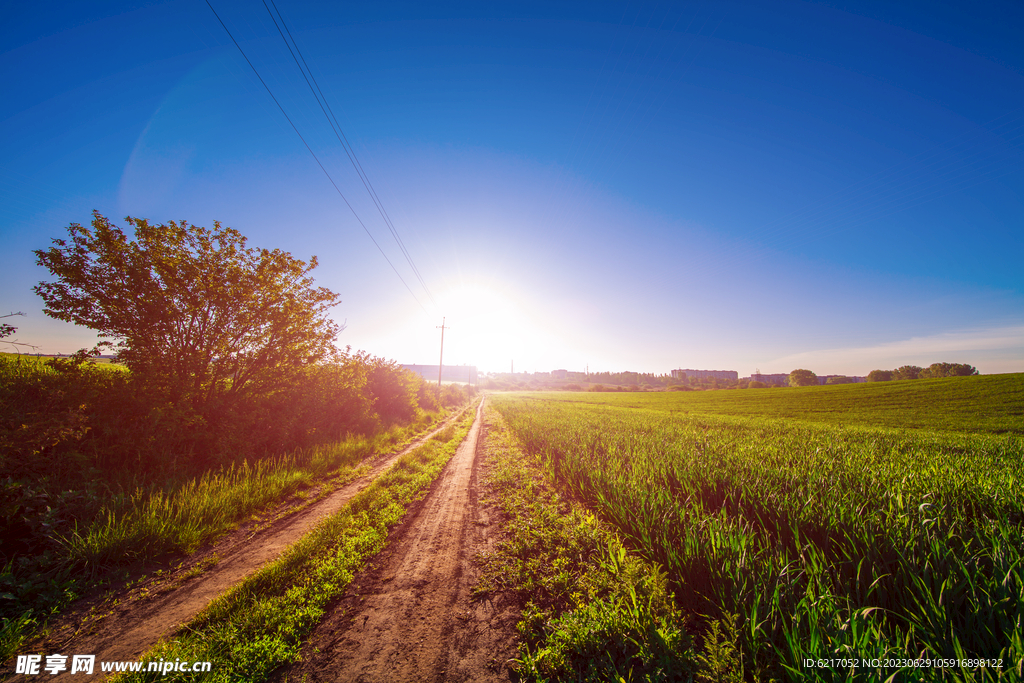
<point x="315" y="158"/>
<point x="332" y="120"/>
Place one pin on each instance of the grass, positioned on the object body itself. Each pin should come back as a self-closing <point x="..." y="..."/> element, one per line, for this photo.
<point x="822" y="541"/>
<point x="40" y="361"/>
<point x="259" y="624"/>
<point x="591" y="610"/>
<point x="146" y="526"/>
<point x="991" y="404"/>
<point x="150" y="525"/>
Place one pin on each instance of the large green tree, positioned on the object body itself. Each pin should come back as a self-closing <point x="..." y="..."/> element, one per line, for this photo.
<point x="802" y="378"/>
<point x="192" y="311"/>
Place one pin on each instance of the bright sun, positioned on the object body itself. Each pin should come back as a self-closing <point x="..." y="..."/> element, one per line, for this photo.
<point x="486" y="328"/>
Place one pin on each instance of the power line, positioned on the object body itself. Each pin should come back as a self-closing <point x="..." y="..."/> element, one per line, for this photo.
<point x="350" y="152"/>
<point x="315" y="158"/>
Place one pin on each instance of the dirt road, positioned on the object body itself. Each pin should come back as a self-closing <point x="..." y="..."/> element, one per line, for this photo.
<point x="409" y="616"/>
<point x="149" y="613"/>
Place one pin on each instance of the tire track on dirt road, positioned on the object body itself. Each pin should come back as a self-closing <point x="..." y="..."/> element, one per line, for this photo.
<point x="135" y="626"/>
<point x="410" y="615"/>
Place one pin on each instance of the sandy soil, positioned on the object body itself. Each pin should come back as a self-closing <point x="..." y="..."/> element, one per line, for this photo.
<point x="409" y="616"/>
<point x="124" y="626"/>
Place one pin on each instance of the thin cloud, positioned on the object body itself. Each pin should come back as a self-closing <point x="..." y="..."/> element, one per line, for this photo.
<point x="1000" y="346"/>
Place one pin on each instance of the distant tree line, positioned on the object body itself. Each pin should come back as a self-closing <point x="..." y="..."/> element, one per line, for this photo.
<point x="804" y="378"/>
<point x="914" y="372"/>
<point x="636" y="381"/>
<point x="573" y="381"/>
<point x="607" y="381"/>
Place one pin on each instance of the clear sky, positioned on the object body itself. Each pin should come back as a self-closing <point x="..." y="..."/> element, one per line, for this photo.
<point x="625" y="186"/>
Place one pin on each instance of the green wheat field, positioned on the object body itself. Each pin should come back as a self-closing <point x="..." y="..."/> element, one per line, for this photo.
<point x="874" y="521"/>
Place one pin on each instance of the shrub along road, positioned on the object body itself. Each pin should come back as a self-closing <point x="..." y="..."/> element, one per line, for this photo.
<point x="154" y="609"/>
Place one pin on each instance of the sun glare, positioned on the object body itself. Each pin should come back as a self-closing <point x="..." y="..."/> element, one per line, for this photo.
<point x="493" y="328"/>
<point x="485" y="326"/>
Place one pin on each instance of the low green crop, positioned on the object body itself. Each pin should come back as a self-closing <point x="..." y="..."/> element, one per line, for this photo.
<point x="992" y="404"/>
<point x="826" y="542"/>
<point x="591" y="610"/>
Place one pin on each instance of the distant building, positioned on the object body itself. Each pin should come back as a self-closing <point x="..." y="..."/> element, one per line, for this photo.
<point x="705" y="374"/>
<point x="780" y="379"/>
<point x="452" y="373"/>
<point x="559" y="374"/>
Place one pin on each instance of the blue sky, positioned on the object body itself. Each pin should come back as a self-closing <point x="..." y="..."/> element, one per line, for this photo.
<point x="624" y="186"/>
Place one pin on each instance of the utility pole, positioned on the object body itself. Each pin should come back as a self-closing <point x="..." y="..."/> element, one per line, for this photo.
<point x="440" y="366"/>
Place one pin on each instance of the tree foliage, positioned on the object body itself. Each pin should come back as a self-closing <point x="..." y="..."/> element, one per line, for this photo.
<point x="192" y="311"/>
<point x="880" y="375"/>
<point x="82" y="443"/>
<point x="393" y="389"/>
<point x="906" y="372"/>
<point x="8" y="330"/>
<point x="802" y="378"/>
<point x="948" y="370"/>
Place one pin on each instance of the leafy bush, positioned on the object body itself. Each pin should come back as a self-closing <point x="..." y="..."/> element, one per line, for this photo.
<point x="199" y="316"/>
<point x="80" y="440"/>
<point x="456" y="394"/>
<point x="393" y="390"/>
<point x="802" y="378"/>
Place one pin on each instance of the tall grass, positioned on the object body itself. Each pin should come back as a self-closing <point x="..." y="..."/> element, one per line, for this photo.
<point x="146" y="525"/>
<point x="150" y="524"/>
<point x="826" y="541"/>
<point x="259" y="624"/>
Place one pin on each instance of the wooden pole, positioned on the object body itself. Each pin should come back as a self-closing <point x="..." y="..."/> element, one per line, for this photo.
<point x="440" y="365"/>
